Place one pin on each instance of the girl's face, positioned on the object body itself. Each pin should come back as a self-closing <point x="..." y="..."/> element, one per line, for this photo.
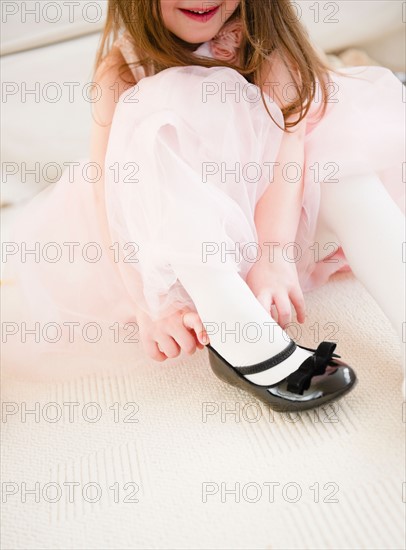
<point x="183" y="19"/>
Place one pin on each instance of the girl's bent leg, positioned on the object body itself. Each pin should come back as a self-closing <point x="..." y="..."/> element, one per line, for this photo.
<point x="182" y="202"/>
<point x="240" y="329"/>
<point x="371" y="229"/>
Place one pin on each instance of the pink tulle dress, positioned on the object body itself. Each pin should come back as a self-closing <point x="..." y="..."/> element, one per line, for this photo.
<point x="107" y="247"/>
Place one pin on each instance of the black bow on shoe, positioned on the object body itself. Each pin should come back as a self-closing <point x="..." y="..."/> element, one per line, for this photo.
<point x="300" y="380"/>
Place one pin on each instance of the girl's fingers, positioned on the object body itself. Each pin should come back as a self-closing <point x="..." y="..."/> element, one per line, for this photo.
<point x="168" y="346"/>
<point x="191" y="320"/>
<point x="282" y="304"/>
<point x="265" y="299"/>
<point x="298" y="301"/>
<point x="185" y="339"/>
<point x="152" y="350"/>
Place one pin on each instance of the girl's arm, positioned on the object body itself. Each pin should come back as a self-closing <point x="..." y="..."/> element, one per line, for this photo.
<point x="278" y="210"/>
<point x="277" y="213"/>
<point x="110" y="85"/>
<point x="183" y="330"/>
<point x="272" y="279"/>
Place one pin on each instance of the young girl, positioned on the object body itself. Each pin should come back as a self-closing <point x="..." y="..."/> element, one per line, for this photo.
<point x="231" y="171"/>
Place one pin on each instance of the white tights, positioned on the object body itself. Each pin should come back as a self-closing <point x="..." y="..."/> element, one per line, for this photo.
<point x="361" y="216"/>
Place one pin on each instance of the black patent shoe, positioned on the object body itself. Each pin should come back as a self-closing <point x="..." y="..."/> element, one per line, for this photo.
<point x="321" y="378"/>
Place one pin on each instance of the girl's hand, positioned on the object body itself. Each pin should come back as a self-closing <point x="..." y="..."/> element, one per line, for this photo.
<point x="277" y="283"/>
<point x="165" y="338"/>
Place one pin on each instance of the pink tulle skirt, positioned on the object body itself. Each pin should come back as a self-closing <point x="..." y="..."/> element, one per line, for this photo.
<point x="185" y="167"/>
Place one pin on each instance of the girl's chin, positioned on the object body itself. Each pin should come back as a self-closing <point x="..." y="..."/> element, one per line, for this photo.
<point x="196" y="38"/>
<point x="196" y="42"/>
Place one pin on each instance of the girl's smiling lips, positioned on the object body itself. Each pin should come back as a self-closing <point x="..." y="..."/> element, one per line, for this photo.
<point x="203" y="15"/>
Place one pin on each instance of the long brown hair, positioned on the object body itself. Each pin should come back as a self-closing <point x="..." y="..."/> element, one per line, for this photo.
<point x="269" y="27"/>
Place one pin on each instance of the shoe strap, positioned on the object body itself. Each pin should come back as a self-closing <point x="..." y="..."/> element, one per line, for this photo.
<point x="268" y="363"/>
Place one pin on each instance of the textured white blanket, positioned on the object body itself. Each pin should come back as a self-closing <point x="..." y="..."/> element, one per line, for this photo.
<point x="169" y="465"/>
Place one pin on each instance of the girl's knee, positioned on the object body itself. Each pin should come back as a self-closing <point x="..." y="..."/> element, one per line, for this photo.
<point x="325" y="239"/>
<point x="198" y="91"/>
